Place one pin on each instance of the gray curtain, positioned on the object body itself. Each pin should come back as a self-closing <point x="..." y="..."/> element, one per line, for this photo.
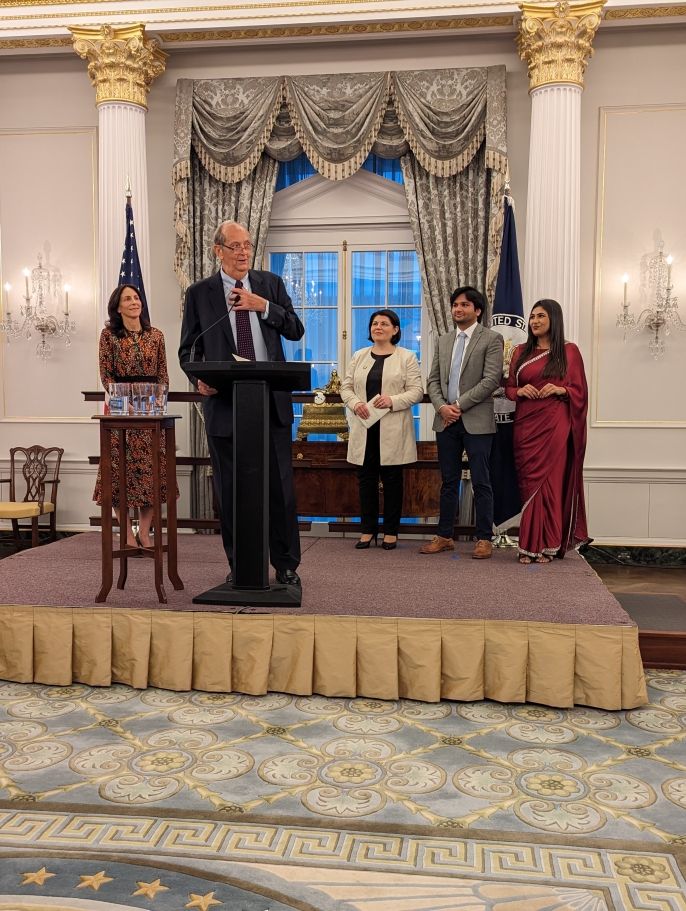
<point x="450" y="231"/>
<point x="447" y="126"/>
<point x="448" y="121"/>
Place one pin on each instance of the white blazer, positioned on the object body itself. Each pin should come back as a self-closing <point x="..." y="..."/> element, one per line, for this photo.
<point x="402" y="381"/>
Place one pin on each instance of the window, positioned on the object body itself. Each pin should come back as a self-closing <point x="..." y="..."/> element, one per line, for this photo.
<point x="344" y="249"/>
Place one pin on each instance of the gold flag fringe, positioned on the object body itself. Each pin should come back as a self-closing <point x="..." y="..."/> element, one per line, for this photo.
<point x="330" y="169"/>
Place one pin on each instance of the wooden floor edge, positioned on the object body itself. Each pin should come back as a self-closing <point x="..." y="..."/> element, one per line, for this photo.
<point x="663" y="648"/>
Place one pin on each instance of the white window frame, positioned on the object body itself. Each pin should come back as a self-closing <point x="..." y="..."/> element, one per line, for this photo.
<point x="330" y="231"/>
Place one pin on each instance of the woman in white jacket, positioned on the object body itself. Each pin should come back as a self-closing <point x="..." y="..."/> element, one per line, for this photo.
<point x="389" y="376"/>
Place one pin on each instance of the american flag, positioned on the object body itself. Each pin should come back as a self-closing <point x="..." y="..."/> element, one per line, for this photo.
<point x="130" y="271"/>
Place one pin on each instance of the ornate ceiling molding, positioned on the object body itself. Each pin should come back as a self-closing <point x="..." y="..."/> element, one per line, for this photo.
<point x="42" y="25"/>
<point x="122" y="62"/>
<point x="556" y="40"/>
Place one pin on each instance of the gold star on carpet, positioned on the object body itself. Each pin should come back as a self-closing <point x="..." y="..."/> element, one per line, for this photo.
<point x="202" y="902"/>
<point x="150" y="890"/>
<point x="38" y="878"/>
<point x="94" y="882"/>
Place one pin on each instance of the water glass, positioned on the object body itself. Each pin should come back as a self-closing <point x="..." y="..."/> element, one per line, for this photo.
<point x="119" y="394"/>
<point x="160" y="392"/>
<point x="143" y="398"/>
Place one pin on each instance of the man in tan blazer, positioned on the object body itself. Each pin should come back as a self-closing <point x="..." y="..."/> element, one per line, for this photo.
<point x="466" y="371"/>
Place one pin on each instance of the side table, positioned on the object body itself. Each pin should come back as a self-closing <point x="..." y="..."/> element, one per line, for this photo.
<point x="115" y="424"/>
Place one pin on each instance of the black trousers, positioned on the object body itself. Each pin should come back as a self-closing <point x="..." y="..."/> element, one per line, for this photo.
<point x="284" y="536"/>
<point x="368" y="475"/>
<point x="451" y="442"/>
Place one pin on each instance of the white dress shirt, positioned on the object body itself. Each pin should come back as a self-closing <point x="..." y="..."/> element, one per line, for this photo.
<point x="469" y="333"/>
<point x="259" y="345"/>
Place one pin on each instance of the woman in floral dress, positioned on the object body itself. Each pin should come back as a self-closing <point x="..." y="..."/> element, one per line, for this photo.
<point x="131" y="350"/>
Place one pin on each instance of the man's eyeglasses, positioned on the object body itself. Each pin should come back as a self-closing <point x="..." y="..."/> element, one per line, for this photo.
<point x="247" y="245"/>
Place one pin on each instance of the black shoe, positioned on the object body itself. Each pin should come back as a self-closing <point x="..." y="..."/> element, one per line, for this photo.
<point x="288" y="577"/>
<point x="390" y="545"/>
<point x="365" y="545"/>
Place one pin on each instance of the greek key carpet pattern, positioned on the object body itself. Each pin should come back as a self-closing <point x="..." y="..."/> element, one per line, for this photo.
<point x="201" y="864"/>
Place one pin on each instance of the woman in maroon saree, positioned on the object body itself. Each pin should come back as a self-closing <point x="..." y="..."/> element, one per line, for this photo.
<point x="548" y="383"/>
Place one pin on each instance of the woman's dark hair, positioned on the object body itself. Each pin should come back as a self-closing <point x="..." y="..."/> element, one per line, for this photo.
<point x="394" y="319"/>
<point x="115" y="323"/>
<point x="557" y="361"/>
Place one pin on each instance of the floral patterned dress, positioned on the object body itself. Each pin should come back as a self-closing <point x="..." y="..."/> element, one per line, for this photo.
<point x="138" y="354"/>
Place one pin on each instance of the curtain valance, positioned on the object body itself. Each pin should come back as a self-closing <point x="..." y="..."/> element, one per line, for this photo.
<point x="442" y="116"/>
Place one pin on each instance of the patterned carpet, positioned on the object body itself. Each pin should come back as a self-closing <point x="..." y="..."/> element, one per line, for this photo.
<point x="115" y="798"/>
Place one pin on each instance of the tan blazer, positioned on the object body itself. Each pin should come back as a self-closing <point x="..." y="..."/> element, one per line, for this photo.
<point x="402" y="381"/>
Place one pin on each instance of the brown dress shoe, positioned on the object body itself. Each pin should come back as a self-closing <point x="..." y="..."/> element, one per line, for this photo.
<point x="436" y="545"/>
<point x="482" y="550"/>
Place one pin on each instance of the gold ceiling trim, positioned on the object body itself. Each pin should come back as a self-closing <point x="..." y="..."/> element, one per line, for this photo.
<point x="296" y="31"/>
<point x="347" y="28"/>
<point x="645" y="12"/>
<point x="10" y="44"/>
<point x="227" y="8"/>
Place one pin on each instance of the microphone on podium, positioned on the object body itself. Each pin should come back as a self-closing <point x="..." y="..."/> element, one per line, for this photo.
<point x="211" y="326"/>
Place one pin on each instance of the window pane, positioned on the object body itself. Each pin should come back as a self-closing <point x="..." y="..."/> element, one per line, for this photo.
<point x="369" y="279"/>
<point x="395" y="272"/>
<point x="311" y="279"/>
<point x="385" y="167"/>
<point x="320" y="339"/>
<point x="411" y="325"/>
<point x="321" y="280"/>
<point x="404" y="285"/>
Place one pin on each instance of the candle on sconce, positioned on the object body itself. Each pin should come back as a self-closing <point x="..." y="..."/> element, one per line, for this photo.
<point x="670" y="260"/>
<point x="625" y="282"/>
<point x="8" y="288"/>
<point x="67" y="289"/>
<point x="26" y="274"/>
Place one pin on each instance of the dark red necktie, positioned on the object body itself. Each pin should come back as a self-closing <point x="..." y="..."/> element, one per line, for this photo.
<point x="244" y="343"/>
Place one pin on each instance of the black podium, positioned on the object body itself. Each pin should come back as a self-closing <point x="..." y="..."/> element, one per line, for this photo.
<point x="250" y="382"/>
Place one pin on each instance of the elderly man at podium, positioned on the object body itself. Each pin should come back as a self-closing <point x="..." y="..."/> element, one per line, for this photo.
<point x="245" y="312"/>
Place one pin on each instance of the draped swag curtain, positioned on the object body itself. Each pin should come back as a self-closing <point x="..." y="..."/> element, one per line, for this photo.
<point x="447" y="127"/>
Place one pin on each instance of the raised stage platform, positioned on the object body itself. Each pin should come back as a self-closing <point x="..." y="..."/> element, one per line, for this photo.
<point x="379" y="624"/>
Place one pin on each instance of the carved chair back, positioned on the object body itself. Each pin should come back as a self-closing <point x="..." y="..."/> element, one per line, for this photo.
<point x="38" y="466"/>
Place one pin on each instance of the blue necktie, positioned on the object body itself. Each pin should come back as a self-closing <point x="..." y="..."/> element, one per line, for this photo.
<point x="455" y="367"/>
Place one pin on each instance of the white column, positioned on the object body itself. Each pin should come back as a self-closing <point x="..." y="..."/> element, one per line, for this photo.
<point x="122" y="65"/>
<point x="551" y="264"/>
<point x="122" y="158"/>
<point x="556" y="42"/>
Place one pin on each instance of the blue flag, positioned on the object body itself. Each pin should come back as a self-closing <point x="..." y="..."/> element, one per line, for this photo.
<point x="508" y="320"/>
<point x="130" y="271"/>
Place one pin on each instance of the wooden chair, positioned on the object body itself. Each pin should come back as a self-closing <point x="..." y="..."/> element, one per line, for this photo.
<point x="38" y="467"/>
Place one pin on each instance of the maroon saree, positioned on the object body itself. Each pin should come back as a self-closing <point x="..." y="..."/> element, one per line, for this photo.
<point x="549" y="447"/>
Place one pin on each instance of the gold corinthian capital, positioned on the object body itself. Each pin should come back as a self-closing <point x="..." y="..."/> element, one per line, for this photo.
<point x="556" y="40"/>
<point x="122" y="62"/>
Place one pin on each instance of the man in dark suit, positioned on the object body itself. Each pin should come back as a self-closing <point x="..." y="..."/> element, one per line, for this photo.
<point x="466" y="371"/>
<point x="258" y="313"/>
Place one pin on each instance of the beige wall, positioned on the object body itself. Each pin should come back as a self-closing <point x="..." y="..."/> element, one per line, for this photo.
<point x="636" y="475"/>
